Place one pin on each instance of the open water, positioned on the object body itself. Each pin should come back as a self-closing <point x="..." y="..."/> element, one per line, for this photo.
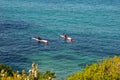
<point x="94" y="26"/>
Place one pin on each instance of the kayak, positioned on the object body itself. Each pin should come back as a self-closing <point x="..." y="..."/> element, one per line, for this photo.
<point x="68" y="38"/>
<point x="44" y="41"/>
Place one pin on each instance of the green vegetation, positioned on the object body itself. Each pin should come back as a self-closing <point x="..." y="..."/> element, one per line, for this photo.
<point x="6" y="68"/>
<point x="109" y="69"/>
<point x="6" y="73"/>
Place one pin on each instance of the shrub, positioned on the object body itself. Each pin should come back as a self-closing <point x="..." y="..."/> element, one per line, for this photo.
<point x="8" y="74"/>
<point x="6" y="68"/>
<point x="109" y="69"/>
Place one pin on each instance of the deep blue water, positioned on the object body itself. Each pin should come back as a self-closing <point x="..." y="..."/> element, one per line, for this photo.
<point x="94" y="26"/>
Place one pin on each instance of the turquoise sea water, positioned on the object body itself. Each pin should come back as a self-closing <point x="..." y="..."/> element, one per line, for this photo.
<point x="93" y="25"/>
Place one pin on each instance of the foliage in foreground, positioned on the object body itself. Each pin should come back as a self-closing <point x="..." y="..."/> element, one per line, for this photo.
<point x="6" y="73"/>
<point x="109" y="69"/>
<point x="7" y="68"/>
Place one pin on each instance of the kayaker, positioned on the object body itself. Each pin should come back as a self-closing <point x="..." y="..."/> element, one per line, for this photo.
<point x="65" y="36"/>
<point x="38" y="38"/>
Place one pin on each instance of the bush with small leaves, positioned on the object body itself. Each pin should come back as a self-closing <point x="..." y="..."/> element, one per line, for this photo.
<point x="109" y="69"/>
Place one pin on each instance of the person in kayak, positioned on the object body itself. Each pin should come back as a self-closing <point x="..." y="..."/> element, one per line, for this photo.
<point x="65" y="36"/>
<point x="38" y="38"/>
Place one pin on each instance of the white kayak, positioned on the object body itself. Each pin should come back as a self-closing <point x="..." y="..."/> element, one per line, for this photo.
<point x="44" y="41"/>
<point x="68" y="38"/>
